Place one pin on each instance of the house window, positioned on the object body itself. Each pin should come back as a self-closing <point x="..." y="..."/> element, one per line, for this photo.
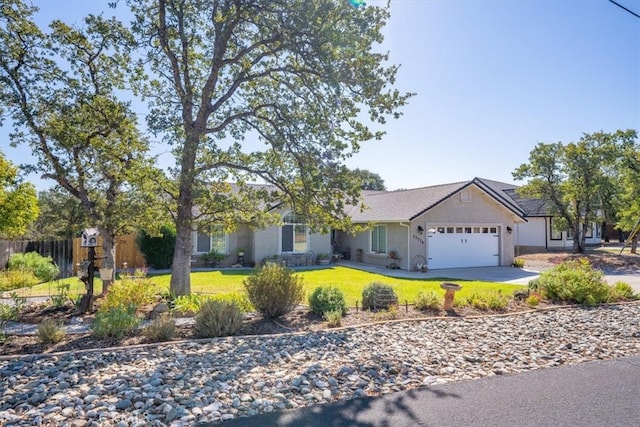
<point x="379" y="239"/>
<point x="211" y="238"/>
<point x="556" y="234"/>
<point x="295" y="233"/>
<point x="589" y="233"/>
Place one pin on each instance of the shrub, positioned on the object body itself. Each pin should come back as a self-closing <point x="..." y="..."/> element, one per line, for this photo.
<point x="217" y="319"/>
<point x="389" y="313"/>
<point x="489" y="301"/>
<point x="134" y="292"/>
<point x="161" y="329"/>
<point x="158" y="250"/>
<point x="274" y="290"/>
<point x="42" y="267"/>
<point x="11" y="311"/>
<point x="518" y="263"/>
<point x="533" y="300"/>
<point x="49" y="331"/>
<point x="327" y="298"/>
<point x="192" y="302"/>
<point x="333" y="318"/>
<point x="378" y="296"/>
<point x="16" y="279"/>
<point x="241" y="300"/>
<point x="62" y="297"/>
<point x="115" y="321"/>
<point x="621" y="291"/>
<point x="574" y="281"/>
<point x="428" y="301"/>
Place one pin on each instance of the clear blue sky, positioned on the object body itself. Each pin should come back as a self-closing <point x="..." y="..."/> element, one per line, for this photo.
<point x="493" y="78"/>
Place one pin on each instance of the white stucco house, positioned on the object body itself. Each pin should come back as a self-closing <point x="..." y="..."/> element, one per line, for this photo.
<point x="473" y="223"/>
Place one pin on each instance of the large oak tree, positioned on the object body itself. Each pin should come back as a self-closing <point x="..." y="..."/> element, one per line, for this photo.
<point x="61" y="91"/>
<point x="278" y="92"/>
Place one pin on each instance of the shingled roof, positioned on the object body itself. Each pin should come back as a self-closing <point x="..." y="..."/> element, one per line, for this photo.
<point x="406" y="205"/>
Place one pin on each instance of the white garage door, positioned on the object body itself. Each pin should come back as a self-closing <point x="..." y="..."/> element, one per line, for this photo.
<point x="463" y="246"/>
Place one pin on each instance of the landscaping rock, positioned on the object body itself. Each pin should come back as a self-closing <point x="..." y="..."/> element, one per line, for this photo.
<point x="226" y="378"/>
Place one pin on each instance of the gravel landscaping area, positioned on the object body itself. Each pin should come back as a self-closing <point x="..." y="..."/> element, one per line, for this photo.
<point x="185" y="383"/>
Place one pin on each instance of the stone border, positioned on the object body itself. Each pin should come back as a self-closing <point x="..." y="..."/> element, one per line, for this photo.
<point x="33" y="356"/>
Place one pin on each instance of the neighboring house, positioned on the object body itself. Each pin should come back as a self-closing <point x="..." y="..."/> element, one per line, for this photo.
<point x="540" y="231"/>
<point x="474" y="223"/>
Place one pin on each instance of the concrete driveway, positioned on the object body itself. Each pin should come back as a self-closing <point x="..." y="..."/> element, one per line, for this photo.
<point x="518" y="276"/>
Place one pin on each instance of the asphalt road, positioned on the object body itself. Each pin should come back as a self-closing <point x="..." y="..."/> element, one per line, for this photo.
<point x="603" y="393"/>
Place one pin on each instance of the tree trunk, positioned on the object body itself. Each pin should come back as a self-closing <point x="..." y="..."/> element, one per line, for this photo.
<point x="583" y="237"/>
<point x="181" y="265"/>
<point x="109" y="260"/>
<point x="634" y="244"/>
<point x="577" y="248"/>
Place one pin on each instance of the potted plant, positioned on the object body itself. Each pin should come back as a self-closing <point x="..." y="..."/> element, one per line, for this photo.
<point x="213" y="257"/>
<point x="323" y="259"/>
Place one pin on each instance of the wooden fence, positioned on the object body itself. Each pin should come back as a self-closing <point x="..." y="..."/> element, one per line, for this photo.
<point x="60" y="252"/>
<point x="126" y="252"/>
<point x="67" y="254"/>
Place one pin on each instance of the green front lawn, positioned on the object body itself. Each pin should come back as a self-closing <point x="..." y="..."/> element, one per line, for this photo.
<point x="349" y="280"/>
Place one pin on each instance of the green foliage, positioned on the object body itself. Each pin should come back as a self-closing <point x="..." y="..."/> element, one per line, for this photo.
<point x="136" y="292"/>
<point x="16" y="279"/>
<point x="213" y="257"/>
<point x="286" y="89"/>
<point x="489" y="301"/>
<point x="193" y="302"/>
<point x="62" y="216"/>
<point x="574" y="281"/>
<point x="378" y="295"/>
<point x="518" y="263"/>
<point x="533" y="299"/>
<point x="579" y="179"/>
<point x="42" y="267"/>
<point x="161" y="329"/>
<point x="274" y="290"/>
<point x="428" y="300"/>
<point x="50" y="331"/>
<point x="622" y="291"/>
<point x="389" y="313"/>
<point x="189" y="303"/>
<point x="158" y="249"/>
<point x="241" y="300"/>
<point x="217" y="319"/>
<point x="333" y="318"/>
<point x="327" y="298"/>
<point x="115" y="322"/>
<point x="65" y="106"/>
<point x="18" y="200"/>
<point x="10" y="312"/>
<point x="62" y="297"/>
<point x="369" y="180"/>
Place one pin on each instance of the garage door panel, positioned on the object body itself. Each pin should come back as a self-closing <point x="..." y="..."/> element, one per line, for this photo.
<point x="452" y="250"/>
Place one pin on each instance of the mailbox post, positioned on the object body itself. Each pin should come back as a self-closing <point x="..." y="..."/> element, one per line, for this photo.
<point x="89" y="239"/>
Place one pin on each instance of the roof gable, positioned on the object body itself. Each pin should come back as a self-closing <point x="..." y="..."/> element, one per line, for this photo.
<point x="406" y="205"/>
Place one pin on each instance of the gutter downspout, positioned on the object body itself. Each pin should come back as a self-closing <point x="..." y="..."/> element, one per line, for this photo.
<point x="408" y="244"/>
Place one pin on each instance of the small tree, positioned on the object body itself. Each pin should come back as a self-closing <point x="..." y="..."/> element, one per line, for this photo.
<point x="573" y="179"/>
<point x="18" y="201"/>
